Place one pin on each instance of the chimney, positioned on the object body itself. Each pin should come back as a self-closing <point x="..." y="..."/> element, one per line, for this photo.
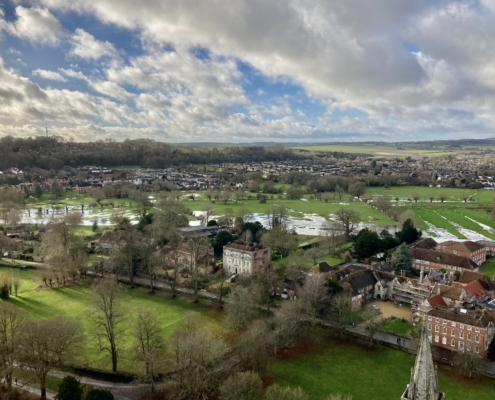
<point x="403" y="273"/>
<point x="421" y="275"/>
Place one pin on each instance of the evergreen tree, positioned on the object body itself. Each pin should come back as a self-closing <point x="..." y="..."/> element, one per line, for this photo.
<point x="367" y="243"/>
<point x="99" y="394"/>
<point x="402" y="259"/>
<point x="408" y="234"/>
<point x="69" y="389"/>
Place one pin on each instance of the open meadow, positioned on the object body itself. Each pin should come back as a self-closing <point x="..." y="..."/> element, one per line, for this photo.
<point x="367" y="374"/>
<point x="76" y="301"/>
<point x="376" y="150"/>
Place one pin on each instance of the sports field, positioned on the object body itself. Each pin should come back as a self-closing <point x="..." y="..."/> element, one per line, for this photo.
<point x="76" y="302"/>
<point x="366" y="374"/>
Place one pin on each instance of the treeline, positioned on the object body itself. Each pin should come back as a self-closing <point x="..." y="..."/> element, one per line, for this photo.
<point x="52" y="153"/>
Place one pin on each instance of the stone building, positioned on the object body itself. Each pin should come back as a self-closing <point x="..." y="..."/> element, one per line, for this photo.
<point x="245" y="258"/>
<point x="461" y="330"/>
<point x="424" y="380"/>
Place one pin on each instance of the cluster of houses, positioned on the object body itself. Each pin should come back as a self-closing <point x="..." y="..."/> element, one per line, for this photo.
<point x="456" y="299"/>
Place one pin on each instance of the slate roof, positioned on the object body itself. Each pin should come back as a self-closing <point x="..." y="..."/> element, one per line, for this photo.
<point x="245" y="246"/>
<point x="360" y="280"/>
<point x="440" y="257"/>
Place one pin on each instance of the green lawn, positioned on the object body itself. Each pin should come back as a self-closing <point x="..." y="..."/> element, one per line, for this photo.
<point x="457" y="216"/>
<point x="398" y="326"/>
<point x="488" y="268"/>
<point x="75" y="301"/>
<point x="379" y="374"/>
<point x="407" y="192"/>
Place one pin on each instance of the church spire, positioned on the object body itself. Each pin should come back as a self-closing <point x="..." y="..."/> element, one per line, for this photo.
<point x="424" y="380"/>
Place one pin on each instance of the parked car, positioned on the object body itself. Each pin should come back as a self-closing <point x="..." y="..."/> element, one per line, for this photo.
<point x="373" y="307"/>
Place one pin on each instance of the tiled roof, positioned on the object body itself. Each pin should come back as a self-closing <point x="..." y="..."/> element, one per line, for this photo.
<point x="450" y="292"/>
<point x="470" y="276"/>
<point x="480" y="319"/>
<point x="444" y="258"/>
<point x="436" y="301"/>
<point x="466" y="246"/>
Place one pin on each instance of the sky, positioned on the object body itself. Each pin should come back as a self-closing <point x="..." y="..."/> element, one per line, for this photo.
<point x="248" y="70"/>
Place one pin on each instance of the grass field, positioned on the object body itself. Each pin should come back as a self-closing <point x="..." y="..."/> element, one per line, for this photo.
<point x="307" y="206"/>
<point x="379" y="374"/>
<point x="75" y="301"/>
<point x="398" y="326"/>
<point x="377" y="150"/>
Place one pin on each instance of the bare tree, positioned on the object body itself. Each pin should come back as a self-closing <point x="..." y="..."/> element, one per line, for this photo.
<point x="334" y="234"/>
<point x="242" y="385"/>
<point x="341" y="310"/>
<point x="431" y="197"/>
<point x="207" y="211"/>
<point x="11" y="329"/>
<point x="149" y="344"/>
<point x="442" y="197"/>
<point x="193" y="353"/>
<point x="16" y="284"/>
<point x="470" y="364"/>
<point x="357" y="189"/>
<point x="312" y="295"/>
<point x="416" y="197"/>
<point x="241" y="308"/>
<point x="108" y="316"/>
<point x="198" y="249"/>
<point x="371" y="324"/>
<point x="383" y="203"/>
<point x="348" y="219"/>
<point x="251" y="347"/>
<point x="49" y="344"/>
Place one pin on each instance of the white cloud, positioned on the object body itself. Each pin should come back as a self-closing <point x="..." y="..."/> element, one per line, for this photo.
<point x="34" y="24"/>
<point x="418" y="69"/>
<point x="50" y="75"/>
<point x="84" y="45"/>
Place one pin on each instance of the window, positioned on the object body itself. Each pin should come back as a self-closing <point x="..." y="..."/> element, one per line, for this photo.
<point x="477" y="330"/>
<point x="477" y="338"/>
<point x="453" y="332"/>
<point x="452" y="342"/>
<point x="469" y="336"/>
<point x="429" y="327"/>
<point x="468" y="347"/>
<point x="461" y="326"/>
<point x="429" y="318"/>
<point x="461" y="346"/>
<point x="477" y="349"/>
<point x="444" y="340"/>
<point x="444" y="330"/>
<point x="436" y="338"/>
<point x="461" y="335"/>
<point x="453" y="324"/>
<point x="436" y="320"/>
<point x="436" y="328"/>
<point x="469" y="327"/>
<point x="445" y="322"/>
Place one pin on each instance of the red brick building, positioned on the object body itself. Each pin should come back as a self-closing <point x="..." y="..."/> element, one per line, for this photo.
<point x="432" y="260"/>
<point x="461" y="330"/>
<point x="474" y="251"/>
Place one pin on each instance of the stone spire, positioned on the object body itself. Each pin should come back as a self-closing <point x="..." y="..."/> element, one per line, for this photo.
<point x="424" y="381"/>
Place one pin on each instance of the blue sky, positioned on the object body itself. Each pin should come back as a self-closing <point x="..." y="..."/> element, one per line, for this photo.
<point x="241" y="71"/>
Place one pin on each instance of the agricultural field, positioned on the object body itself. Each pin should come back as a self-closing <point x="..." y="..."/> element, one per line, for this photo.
<point x="377" y="150"/>
<point x="366" y="374"/>
<point x="75" y="301"/>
